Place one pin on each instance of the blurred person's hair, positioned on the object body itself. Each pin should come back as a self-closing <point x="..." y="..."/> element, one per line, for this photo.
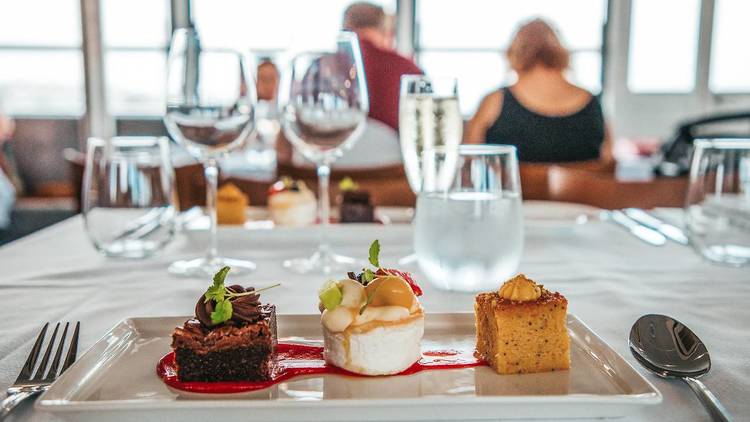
<point x="536" y="43"/>
<point x="364" y="15"/>
<point x="267" y="61"/>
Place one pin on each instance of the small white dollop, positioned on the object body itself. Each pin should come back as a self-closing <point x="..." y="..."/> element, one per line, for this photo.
<point x="338" y="319"/>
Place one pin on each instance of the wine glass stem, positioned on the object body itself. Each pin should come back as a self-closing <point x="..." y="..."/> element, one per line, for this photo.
<point x="324" y="206"/>
<point x="211" y="171"/>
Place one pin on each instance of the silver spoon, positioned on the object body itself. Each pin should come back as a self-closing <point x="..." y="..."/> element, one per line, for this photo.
<point x="669" y="349"/>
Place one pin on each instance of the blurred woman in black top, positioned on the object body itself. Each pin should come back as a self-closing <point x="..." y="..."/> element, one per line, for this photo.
<point x="546" y="117"/>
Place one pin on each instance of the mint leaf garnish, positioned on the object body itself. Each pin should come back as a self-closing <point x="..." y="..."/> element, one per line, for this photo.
<point x="374" y="252"/>
<point x="222" y="312"/>
<point x="215" y="292"/>
<point x="367" y="276"/>
<point x="220" y="276"/>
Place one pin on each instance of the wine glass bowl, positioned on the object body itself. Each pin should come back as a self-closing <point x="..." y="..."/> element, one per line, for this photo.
<point x="324" y="102"/>
<point x="210" y="112"/>
<point x="323" y="107"/>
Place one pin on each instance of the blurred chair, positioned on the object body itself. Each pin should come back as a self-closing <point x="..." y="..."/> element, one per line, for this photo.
<point x="387" y="184"/>
<point x="676" y="153"/>
<point x="76" y="162"/>
<point x="535" y="176"/>
<point x="603" y="190"/>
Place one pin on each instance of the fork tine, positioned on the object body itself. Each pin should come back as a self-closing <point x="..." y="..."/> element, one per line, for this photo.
<point x="72" y="350"/>
<point x="52" y="373"/>
<point x="43" y="365"/>
<point x="33" y="356"/>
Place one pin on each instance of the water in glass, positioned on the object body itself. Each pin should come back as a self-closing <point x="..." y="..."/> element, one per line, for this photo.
<point x="469" y="236"/>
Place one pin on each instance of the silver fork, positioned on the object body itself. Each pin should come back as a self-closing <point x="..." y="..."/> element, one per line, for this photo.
<point x="28" y="385"/>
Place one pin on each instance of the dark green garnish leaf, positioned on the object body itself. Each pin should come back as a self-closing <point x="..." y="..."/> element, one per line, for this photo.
<point x="374" y="253"/>
<point x="222" y="312"/>
<point x="215" y="292"/>
<point x="220" y="276"/>
<point x="367" y="277"/>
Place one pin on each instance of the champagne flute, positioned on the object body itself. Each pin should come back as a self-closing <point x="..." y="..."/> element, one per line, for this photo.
<point x="429" y="118"/>
<point x="323" y="105"/>
<point x="210" y="107"/>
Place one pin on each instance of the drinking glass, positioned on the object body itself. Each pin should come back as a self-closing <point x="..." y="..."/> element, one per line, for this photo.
<point x="469" y="233"/>
<point x="717" y="209"/>
<point x="210" y="105"/>
<point x="128" y="206"/>
<point x="323" y="106"/>
<point x="429" y="117"/>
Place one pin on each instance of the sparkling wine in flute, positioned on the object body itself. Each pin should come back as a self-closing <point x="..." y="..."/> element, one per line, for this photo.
<point x="427" y="122"/>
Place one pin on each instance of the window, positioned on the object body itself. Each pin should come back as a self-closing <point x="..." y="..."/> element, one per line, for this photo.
<point x="136" y="38"/>
<point x="40" y="57"/>
<point x="663" y="46"/>
<point x="271" y="27"/>
<point x="469" y="39"/>
<point x="730" y="55"/>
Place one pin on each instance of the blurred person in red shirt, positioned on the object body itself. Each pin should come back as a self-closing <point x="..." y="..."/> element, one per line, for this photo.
<point x="383" y="66"/>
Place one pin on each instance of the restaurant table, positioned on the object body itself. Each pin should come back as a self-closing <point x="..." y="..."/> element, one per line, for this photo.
<point x="609" y="277"/>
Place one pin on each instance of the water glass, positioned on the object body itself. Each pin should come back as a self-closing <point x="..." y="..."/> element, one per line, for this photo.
<point x="128" y="201"/>
<point x="469" y="232"/>
<point x="717" y="210"/>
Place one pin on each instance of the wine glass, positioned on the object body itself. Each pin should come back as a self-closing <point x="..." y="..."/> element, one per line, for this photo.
<point x="210" y="106"/>
<point x="323" y="106"/>
<point x="429" y="117"/>
<point x="717" y="209"/>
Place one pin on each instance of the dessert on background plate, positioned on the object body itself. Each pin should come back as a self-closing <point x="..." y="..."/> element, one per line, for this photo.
<point x="231" y="338"/>
<point x="372" y="322"/>
<point x="291" y="203"/>
<point x="231" y="205"/>
<point x="521" y="328"/>
<point x="355" y="206"/>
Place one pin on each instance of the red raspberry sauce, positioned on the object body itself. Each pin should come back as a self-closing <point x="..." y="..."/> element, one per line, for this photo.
<point x="296" y="359"/>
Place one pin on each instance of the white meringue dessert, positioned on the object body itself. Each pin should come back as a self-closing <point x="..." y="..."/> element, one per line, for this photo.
<point x="374" y="329"/>
<point x="292" y="203"/>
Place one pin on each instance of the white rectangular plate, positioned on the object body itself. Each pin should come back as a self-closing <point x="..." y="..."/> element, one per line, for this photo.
<point x="116" y="380"/>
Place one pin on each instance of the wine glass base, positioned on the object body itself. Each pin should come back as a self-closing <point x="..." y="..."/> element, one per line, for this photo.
<point x="324" y="263"/>
<point x="203" y="267"/>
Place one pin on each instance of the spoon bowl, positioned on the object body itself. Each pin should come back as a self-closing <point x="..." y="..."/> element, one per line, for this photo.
<point x="670" y="349"/>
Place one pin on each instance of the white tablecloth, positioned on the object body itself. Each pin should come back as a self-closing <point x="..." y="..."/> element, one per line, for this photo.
<point x="609" y="277"/>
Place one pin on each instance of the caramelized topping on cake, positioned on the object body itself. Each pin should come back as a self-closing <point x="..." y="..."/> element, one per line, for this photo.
<point x="520" y="289"/>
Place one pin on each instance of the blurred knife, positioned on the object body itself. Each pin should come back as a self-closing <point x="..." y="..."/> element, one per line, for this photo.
<point x="650" y="236"/>
<point x="673" y="233"/>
